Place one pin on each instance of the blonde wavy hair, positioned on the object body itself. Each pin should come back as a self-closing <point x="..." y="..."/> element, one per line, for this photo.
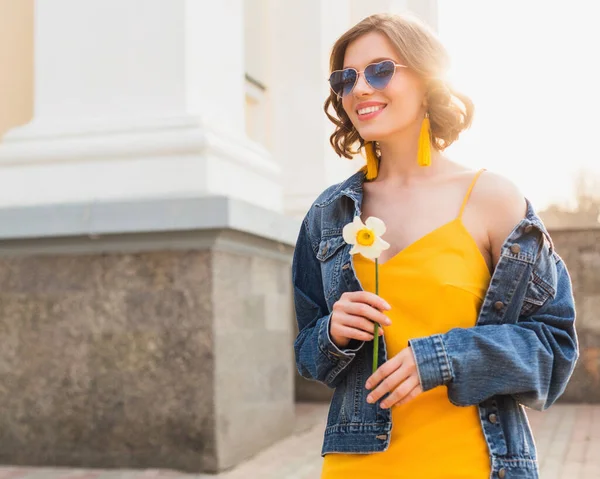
<point x="450" y="112"/>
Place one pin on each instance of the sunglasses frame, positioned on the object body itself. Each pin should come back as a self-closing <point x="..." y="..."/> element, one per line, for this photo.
<point x="358" y="73"/>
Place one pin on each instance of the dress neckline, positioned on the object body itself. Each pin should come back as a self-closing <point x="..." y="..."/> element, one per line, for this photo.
<point x="407" y="250"/>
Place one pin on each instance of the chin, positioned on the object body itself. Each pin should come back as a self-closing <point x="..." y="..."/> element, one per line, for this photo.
<point x="372" y="134"/>
<point x="381" y="134"/>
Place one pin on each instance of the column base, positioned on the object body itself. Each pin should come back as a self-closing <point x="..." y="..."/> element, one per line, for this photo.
<point x="175" y="157"/>
<point x="163" y="349"/>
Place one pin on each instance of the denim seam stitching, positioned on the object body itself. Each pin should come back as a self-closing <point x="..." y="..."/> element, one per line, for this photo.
<point x="417" y="367"/>
<point x="447" y="373"/>
<point x="310" y="239"/>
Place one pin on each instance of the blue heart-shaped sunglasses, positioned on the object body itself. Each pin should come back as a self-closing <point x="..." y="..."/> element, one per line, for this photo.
<point x="378" y="75"/>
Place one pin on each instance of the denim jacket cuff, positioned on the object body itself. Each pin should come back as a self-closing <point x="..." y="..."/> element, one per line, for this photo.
<point x="432" y="361"/>
<point x="328" y="347"/>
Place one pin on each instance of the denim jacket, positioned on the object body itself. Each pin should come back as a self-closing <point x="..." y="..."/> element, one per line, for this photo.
<point x="521" y="352"/>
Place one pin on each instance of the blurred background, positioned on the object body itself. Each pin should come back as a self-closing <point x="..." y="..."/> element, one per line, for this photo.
<point x="156" y="158"/>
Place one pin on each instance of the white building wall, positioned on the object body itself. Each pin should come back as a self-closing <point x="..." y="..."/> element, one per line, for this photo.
<point x="151" y="99"/>
<point x="137" y="99"/>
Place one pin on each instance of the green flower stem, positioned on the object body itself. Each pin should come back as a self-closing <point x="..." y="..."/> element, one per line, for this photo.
<point x="376" y="332"/>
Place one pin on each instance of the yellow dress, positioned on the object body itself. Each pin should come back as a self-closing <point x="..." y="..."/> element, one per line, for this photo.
<point x="435" y="284"/>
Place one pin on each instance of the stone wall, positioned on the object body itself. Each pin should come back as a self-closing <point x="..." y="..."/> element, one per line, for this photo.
<point x="580" y="250"/>
<point x="176" y="356"/>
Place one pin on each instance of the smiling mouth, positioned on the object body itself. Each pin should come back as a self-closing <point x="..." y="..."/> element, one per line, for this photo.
<point x="370" y="109"/>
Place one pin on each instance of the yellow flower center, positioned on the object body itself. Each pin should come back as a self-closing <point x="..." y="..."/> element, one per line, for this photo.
<point x="365" y="237"/>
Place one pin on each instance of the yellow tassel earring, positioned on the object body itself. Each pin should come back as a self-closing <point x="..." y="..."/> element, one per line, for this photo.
<point x="372" y="161"/>
<point x="424" y="154"/>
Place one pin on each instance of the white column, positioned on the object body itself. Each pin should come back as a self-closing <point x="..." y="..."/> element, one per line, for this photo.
<point x="137" y="99"/>
<point x="214" y="54"/>
<point x="362" y="9"/>
<point x="426" y="10"/>
<point x="305" y="32"/>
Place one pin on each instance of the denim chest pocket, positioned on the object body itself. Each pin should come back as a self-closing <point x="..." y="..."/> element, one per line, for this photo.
<point x="538" y="292"/>
<point x="542" y="283"/>
<point x="330" y="256"/>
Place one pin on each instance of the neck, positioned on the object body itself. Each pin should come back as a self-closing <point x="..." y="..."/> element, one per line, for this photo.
<point x="399" y="158"/>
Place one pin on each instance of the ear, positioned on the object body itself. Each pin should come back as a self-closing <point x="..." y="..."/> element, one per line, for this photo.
<point x="424" y="101"/>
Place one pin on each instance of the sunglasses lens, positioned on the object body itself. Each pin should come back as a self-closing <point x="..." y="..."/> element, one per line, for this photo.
<point x="342" y="81"/>
<point x="379" y="74"/>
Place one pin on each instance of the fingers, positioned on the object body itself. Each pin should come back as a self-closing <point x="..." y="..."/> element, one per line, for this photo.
<point x="358" y="322"/>
<point x="351" y="321"/>
<point x="384" y="371"/>
<point x="367" y="297"/>
<point x="390" y="383"/>
<point x="410" y="396"/>
<point x="367" y="311"/>
<point x="399" y="377"/>
<point x="354" y="315"/>
<point x="345" y="327"/>
<point x="402" y="388"/>
<point x="352" y="333"/>
<point x="406" y="391"/>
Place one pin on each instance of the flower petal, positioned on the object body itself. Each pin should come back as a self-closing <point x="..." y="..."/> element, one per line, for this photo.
<point x="358" y="222"/>
<point x="349" y="233"/>
<point x="375" y="224"/>
<point x="368" y="251"/>
<point x="381" y="244"/>
<point x="355" y="249"/>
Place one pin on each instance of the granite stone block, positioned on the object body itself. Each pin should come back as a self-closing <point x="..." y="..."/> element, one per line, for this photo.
<point x="580" y="249"/>
<point x="150" y="359"/>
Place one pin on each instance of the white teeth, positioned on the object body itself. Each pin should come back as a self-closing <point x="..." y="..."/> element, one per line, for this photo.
<point x="370" y="109"/>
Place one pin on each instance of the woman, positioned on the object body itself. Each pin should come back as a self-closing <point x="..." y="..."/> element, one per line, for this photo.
<point x="476" y="307"/>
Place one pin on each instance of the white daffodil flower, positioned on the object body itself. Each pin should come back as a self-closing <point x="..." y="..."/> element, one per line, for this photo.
<point x="365" y="238"/>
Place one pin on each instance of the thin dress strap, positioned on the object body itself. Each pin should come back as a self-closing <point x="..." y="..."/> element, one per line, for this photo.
<point x="466" y="199"/>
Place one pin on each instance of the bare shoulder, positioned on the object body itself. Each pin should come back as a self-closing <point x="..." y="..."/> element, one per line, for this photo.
<point x="499" y="195"/>
<point x="501" y="206"/>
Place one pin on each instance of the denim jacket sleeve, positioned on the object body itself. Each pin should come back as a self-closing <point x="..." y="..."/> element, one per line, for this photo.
<point x="531" y="359"/>
<point x="317" y="357"/>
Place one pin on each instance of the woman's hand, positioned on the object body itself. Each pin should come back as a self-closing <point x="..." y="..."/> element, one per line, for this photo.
<point x="399" y="376"/>
<point x="354" y="316"/>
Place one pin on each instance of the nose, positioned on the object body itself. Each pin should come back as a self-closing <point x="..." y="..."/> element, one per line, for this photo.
<point x="362" y="88"/>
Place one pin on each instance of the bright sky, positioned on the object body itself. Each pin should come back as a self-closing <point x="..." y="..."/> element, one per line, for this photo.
<point x="532" y="67"/>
